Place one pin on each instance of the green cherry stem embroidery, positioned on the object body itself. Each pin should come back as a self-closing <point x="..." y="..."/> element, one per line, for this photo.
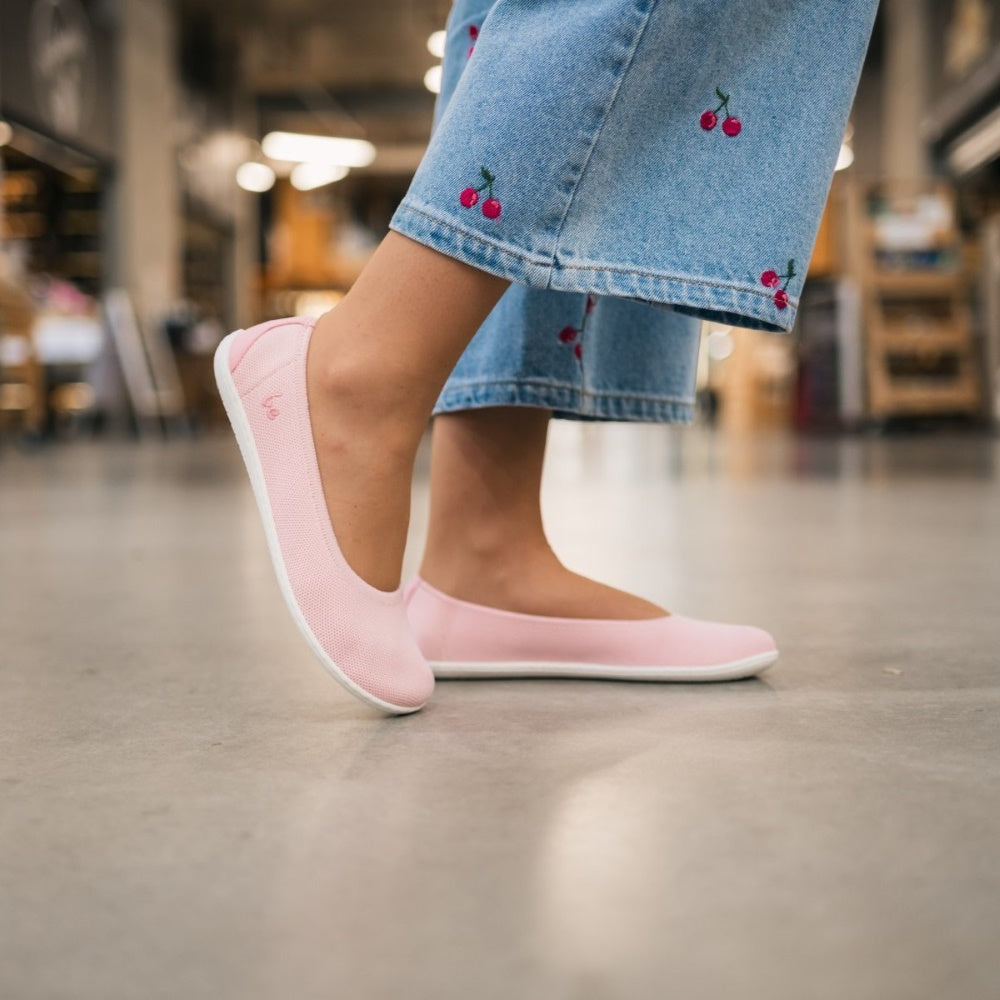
<point x="770" y="279"/>
<point x="709" y="119"/>
<point x="470" y="195"/>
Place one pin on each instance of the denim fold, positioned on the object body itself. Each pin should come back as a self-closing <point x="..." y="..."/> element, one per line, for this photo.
<point x="633" y="167"/>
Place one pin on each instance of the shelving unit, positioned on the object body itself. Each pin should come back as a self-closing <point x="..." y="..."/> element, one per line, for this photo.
<point x="919" y="349"/>
<point x="22" y="383"/>
<point x="57" y="217"/>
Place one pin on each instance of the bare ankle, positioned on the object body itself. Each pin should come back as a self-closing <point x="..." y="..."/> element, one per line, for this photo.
<point x="484" y="564"/>
<point x="363" y="412"/>
<point x="370" y="387"/>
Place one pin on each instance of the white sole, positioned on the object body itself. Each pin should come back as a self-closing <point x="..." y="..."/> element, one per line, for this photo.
<point x="248" y="449"/>
<point x="751" y="666"/>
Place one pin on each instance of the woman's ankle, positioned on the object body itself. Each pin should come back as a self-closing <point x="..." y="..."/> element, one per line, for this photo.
<point x="484" y="571"/>
<point x="352" y="413"/>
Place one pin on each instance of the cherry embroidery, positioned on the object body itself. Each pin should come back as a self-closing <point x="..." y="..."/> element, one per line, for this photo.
<point x="770" y="279"/>
<point x="470" y="196"/>
<point x="709" y="119"/>
<point x="473" y="37"/>
<point x="574" y="334"/>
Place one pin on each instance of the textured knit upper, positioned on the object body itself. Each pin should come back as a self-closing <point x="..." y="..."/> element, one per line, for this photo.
<point x="363" y="630"/>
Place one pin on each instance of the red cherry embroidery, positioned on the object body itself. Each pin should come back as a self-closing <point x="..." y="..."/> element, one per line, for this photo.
<point x="574" y="334"/>
<point x="709" y="119"/>
<point x="470" y="196"/>
<point x="473" y="36"/>
<point x="771" y="278"/>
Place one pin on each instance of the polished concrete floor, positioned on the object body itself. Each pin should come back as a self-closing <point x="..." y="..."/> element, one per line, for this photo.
<point x="190" y="809"/>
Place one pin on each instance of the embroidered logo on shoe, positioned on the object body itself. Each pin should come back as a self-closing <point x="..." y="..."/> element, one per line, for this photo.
<point x="770" y="279"/>
<point x="270" y="408"/>
<point x="470" y="195"/>
<point x="709" y="119"/>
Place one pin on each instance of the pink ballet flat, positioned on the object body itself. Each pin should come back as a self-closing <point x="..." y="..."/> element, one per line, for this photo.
<point x="359" y="633"/>
<point x="461" y="639"/>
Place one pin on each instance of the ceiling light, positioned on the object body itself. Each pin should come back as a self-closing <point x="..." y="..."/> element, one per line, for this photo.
<point x="307" y="176"/>
<point x="256" y="177"/>
<point x="432" y="79"/>
<point x="6" y="133"/>
<point x="435" y="44"/>
<point x="845" y="157"/>
<point x="318" y="149"/>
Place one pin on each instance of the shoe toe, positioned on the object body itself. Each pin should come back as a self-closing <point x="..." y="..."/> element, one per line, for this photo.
<point x="713" y="644"/>
<point x="409" y="685"/>
<point x="759" y="641"/>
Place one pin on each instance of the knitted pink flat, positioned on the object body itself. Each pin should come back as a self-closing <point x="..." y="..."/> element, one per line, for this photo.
<point x="359" y="633"/>
<point x="461" y="639"/>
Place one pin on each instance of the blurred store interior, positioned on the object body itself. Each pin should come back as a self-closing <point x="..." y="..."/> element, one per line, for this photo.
<point x="190" y="809"/>
<point x="148" y="206"/>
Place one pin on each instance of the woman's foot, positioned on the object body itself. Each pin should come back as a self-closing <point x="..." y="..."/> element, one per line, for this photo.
<point x="529" y="582"/>
<point x="365" y="447"/>
<point x="360" y="635"/>
<point x="376" y="365"/>
<point x="464" y="639"/>
<point x="328" y="417"/>
<point x="486" y="542"/>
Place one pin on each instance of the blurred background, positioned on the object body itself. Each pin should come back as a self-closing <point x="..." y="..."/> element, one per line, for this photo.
<point x="156" y="192"/>
<point x="189" y="808"/>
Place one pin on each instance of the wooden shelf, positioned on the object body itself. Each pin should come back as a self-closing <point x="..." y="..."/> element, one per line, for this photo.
<point x="915" y="315"/>
<point x="913" y="395"/>
<point x="917" y="283"/>
<point x="923" y="342"/>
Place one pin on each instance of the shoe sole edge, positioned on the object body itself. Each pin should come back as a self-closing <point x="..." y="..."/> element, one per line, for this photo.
<point x="750" y="666"/>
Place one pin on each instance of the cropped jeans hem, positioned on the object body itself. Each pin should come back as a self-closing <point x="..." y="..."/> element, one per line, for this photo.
<point x="565" y="401"/>
<point x="730" y="303"/>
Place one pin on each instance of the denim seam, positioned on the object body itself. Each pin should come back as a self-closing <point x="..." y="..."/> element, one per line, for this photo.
<point x="567" y="387"/>
<point x="568" y="403"/>
<point x="539" y="260"/>
<point x="605" y="112"/>
<point x="518" y="253"/>
<point x="664" y="401"/>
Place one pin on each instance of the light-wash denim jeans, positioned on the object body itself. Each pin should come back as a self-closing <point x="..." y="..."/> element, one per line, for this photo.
<point x="634" y="167"/>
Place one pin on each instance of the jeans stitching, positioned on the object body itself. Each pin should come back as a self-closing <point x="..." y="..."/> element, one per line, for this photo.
<point x="407" y="206"/>
<point x="605" y="112"/>
<point x="464" y="386"/>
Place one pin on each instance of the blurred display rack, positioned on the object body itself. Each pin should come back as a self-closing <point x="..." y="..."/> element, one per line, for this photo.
<point x="919" y="350"/>
<point x="22" y="381"/>
<point x="57" y="216"/>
